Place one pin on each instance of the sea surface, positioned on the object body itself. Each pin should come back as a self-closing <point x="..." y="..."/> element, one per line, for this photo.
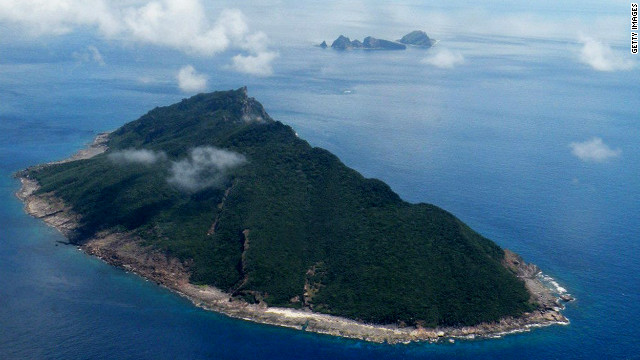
<point x="488" y="141"/>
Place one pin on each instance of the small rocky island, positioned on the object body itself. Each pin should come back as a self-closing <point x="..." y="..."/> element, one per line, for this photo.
<point x="214" y="199"/>
<point x="418" y="38"/>
<point x="415" y="38"/>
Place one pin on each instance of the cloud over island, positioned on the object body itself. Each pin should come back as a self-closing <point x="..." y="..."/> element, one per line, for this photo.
<point x="203" y="167"/>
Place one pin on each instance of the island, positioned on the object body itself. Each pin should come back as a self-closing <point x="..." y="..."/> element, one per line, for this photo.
<point x="415" y="38"/>
<point x="418" y="38"/>
<point x="215" y="200"/>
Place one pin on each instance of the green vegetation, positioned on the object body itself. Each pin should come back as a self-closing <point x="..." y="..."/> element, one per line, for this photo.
<point x="290" y="215"/>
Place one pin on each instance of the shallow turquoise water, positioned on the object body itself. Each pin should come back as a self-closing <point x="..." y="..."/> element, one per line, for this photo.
<point x="485" y="142"/>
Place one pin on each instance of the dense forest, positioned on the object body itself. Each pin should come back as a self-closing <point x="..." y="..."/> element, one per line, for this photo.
<point x="260" y="213"/>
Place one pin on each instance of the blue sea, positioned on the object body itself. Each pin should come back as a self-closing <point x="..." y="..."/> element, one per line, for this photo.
<point x="491" y="140"/>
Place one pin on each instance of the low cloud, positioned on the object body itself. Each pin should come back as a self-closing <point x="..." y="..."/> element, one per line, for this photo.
<point x="601" y="57"/>
<point x="255" y="64"/>
<point x="92" y="54"/>
<point x="444" y="59"/>
<point x="190" y="81"/>
<point x="204" y="167"/>
<point x="594" y="150"/>
<point x="137" y="156"/>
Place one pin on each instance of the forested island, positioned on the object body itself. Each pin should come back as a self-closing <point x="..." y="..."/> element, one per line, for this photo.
<point x="213" y="198"/>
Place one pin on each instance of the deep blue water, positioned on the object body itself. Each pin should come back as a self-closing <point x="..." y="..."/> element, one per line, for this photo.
<point x="488" y="141"/>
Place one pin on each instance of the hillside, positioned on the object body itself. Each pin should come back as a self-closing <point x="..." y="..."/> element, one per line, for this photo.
<point x="259" y="213"/>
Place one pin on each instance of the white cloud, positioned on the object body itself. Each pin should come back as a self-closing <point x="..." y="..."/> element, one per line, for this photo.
<point x="255" y="64"/>
<point x="91" y="55"/>
<point x="189" y="80"/>
<point x="593" y="150"/>
<point x="601" y="57"/>
<point x="183" y="25"/>
<point x="178" y="24"/>
<point x="55" y="17"/>
<point x="444" y="58"/>
<point x="205" y="166"/>
<point x="137" y="156"/>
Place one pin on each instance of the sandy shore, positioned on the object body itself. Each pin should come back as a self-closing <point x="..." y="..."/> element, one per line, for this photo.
<point x="126" y="251"/>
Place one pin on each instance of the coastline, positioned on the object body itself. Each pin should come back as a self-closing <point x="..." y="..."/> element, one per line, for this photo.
<point x="126" y="251"/>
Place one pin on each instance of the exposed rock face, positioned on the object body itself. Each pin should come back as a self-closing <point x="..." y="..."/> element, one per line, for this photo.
<point x="417" y="38"/>
<point x="323" y="45"/>
<point x="540" y="294"/>
<point x="342" y="43"/>
<point x="252" y="110"/>
<point x="48" y="208"/>
<point x="522" y="269"/>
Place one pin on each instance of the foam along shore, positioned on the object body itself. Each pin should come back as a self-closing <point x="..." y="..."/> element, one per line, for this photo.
<point x="126" y="251"/>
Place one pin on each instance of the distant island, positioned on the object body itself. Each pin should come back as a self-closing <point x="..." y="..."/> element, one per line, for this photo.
<point x="214" y="199"/>
<point x="415" y="38"/>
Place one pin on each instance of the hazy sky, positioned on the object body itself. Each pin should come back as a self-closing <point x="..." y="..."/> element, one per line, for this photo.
<point x="246" y="36"/>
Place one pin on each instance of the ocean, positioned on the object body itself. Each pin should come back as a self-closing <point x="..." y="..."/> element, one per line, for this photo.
<point x="492" y="140"/>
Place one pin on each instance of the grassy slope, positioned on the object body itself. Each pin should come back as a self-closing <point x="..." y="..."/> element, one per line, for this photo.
<point x="373" y="256"/>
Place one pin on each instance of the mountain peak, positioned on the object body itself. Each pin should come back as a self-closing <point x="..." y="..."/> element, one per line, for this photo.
<point x="417" y="38"/>
<point x="234" y="106"/>
<point x="252" y="110"/>
<point x="199" y="119"/>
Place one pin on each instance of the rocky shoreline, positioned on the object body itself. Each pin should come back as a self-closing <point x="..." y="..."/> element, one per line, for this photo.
<point x="127" y="251"/>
